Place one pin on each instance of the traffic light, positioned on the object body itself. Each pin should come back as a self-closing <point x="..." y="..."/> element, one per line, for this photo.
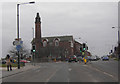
<point x="115" y="48"/>
<point x="111" y="51"/>
<point x="33" y="48"/>
<point x="80" y="49"/>
<point x="31" y="51"/>
<point x="84" y="46"/>
<point x="87" y="47"/>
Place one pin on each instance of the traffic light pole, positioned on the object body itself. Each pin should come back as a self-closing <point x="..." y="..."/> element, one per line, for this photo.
<point x="33" y="54"/>
<point x="33" y="58"/>
<point x="18" y="33"/>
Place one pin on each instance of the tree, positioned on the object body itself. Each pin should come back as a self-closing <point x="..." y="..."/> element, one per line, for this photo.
<point x="23" y="52"/>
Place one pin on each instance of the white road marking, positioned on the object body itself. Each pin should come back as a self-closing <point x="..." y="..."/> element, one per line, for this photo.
<point x="69" y="69"/>
<point x="103" y="72"/>
<point x="51" y="76"/>
<point x="108" y="74"/>
<point x="97" y="70"/>
<point x="37" y="70"/>
<point x="68" y="80"/>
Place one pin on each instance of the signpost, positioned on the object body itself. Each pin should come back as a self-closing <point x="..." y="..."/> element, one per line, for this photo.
<point x="18" y="47"/>
<point x="19" y="44"/>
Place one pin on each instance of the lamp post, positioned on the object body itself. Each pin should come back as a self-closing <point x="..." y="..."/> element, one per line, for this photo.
<point x="18" y="27"/>
<point x="118" y="41"/>
<point x="118" y="34"/>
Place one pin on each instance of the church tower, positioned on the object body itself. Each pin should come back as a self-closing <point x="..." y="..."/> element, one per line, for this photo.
<point x="38" y="35"/>
<point x="38" y="27"/>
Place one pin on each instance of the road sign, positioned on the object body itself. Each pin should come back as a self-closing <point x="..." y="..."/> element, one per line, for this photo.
<point x="18" y="47"/>
<point x="21" y="42"/>
<point x="13" y="42"/>
<point x="16" y="42"/>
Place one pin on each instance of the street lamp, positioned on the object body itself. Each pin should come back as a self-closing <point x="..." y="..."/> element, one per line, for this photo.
<point x="18" y="27"/>
<point x="118" y="34"/>
<point x="118" y="41"/>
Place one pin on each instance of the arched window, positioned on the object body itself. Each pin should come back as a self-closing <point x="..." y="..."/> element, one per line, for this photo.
<point x="44" y="43"/>
<point x="56" y="41"/>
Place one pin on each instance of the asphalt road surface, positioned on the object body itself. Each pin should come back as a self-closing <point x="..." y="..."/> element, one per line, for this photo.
<point x="96" y="71"/>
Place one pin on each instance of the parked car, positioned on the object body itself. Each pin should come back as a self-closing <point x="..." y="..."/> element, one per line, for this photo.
<point x="93" y="58"/>
<point x="97" y="57"/>
<point x="104" y="58"/>
<point x="25" y="61"/>
<point x="73" y="58"/>
<point x="89" y="58"/>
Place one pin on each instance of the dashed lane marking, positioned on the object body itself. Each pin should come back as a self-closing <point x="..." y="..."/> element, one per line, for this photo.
<point x="51" y="76"/>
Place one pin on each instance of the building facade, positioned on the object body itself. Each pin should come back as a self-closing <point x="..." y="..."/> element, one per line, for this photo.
<point x="56" y="47"/>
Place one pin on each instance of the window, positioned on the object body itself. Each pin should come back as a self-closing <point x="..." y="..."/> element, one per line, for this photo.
<point x="56" y="40"/>
<point x="44" y="43"/>
<point x="71" y="44"/>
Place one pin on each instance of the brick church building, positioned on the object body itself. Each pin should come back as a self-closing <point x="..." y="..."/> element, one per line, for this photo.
<point x="56" y="47"/>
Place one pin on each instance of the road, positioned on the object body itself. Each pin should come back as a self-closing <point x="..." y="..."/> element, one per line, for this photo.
<point x="96" y="71"/>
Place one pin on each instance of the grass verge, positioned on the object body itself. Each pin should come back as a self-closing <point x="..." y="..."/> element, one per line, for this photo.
<point x="13" y="65"/>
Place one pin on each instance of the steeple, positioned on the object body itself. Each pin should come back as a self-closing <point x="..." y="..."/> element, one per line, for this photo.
<point x="38" y="28"/>
<point x="38" y="34"/>
<point x="37" y="19"/>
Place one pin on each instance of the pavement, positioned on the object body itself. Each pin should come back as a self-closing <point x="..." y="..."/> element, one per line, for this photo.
<point x="15" y="70"/>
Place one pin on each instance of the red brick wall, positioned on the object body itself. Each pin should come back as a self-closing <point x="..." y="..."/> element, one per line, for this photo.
<point x="67" y="45"/>
<point x="77" y="48"/>
<point x="38" y="38"/>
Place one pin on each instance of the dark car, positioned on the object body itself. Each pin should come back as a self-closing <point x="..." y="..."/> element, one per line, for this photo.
<point x="73" y="58"/>
<point x="104" y="58"/>
<point x="3" y="61"/>
<point x="88" y="58"/>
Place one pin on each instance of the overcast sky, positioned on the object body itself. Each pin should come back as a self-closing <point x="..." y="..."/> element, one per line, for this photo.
<point x="91" y="21"/>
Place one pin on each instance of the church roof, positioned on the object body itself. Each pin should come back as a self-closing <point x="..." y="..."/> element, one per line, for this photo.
<point x="62" y="38"/>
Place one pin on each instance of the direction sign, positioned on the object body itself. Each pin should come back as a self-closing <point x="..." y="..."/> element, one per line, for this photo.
<point x="13" y="42"/>
<point x="18" y="47"/>
<point x="21" y="42"/>
<point x="16" y="42"/>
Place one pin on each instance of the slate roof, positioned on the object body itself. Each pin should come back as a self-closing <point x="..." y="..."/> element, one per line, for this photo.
<point x="62" y="38"/>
